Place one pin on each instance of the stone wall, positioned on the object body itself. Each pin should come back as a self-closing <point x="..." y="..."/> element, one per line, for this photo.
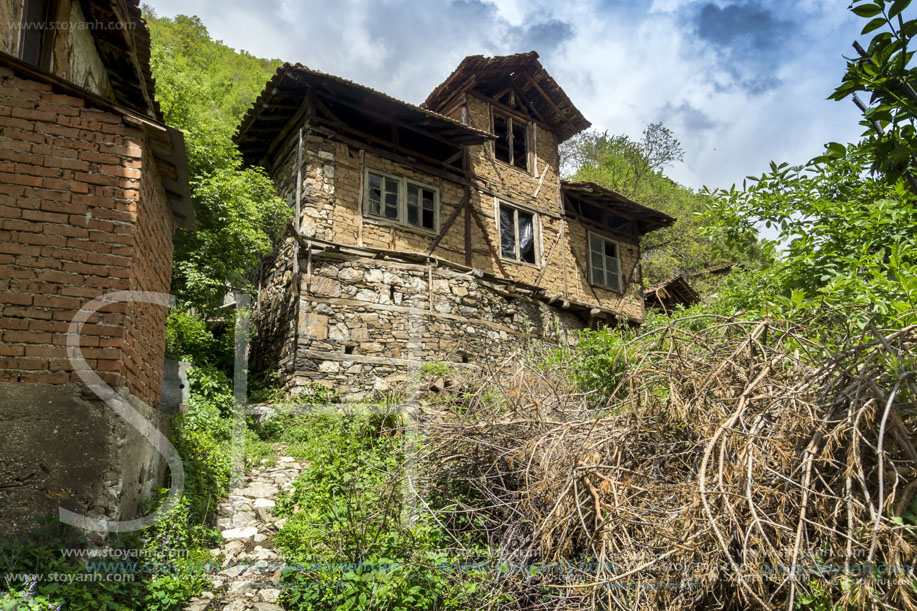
<point x="365" y="324"/>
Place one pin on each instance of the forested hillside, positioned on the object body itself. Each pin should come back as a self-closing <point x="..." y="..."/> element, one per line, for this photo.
<point x="204" y="88"/>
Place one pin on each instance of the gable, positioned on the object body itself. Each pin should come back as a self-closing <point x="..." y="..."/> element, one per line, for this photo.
<point x="516" y="82"/>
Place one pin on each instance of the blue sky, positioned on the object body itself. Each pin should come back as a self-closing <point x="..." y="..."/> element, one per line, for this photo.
<point x="740" y="83"/>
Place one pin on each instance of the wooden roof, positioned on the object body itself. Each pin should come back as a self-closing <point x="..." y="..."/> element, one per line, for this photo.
<point x="346" y="104"/>
<point x="644" y="218"/>
<point x="668" y="293"/>
<point x="491" y="75"/>
<point x="125" y="53"/>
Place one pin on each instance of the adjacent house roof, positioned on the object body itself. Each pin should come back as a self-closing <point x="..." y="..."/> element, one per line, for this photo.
<point x="347" y="102"/>
<point x="647" y="219"/>
<point x="491" y="75"/>
<point x="668" y="293"/>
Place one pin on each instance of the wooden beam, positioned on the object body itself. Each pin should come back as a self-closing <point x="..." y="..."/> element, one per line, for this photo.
<point x="547" y="98"/>
<point x="548" y="258"/>
<point x="493" y="251"/>
<point x="449" y="221"/>
<point x="407" y="161"/>
<point x="307" y="107"/>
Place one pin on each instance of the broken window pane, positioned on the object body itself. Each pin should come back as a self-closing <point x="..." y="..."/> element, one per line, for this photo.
<point x="413" y="204"/>
<point x="507" y="232"/>
<point x="429" y="209"/>
<point x="501" y="144"/>
<point x="526" y="237"/>
<point x="375" y="193"/>
<point x="391" y="198"/>
<point x="520" y="145"/>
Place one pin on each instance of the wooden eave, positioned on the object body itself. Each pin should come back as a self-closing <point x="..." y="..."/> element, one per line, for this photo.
<point x="360" y="113"/>
<point x="641" y="219"/>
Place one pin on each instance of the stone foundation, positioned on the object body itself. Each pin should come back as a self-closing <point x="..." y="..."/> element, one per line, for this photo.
<point x="363" y="325"/>
<point x="88" y="459"/>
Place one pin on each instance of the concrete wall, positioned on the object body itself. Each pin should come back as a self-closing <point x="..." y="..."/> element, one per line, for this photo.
<point x="82" y="213"/>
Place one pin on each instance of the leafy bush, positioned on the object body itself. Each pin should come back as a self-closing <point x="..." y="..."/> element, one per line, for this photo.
<point x="353" y="539"/>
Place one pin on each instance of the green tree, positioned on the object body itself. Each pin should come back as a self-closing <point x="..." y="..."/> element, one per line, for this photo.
<point x="204" y="88"/>
<point x="635" y="169"/>
<point x="847" y="220"/>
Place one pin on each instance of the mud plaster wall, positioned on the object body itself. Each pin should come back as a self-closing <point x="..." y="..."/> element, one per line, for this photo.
<point x="74" y="56"/>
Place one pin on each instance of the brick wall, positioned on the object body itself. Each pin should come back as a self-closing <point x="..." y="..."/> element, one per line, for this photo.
<point x="82" y="213"/>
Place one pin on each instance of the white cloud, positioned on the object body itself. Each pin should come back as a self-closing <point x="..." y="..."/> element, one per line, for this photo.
<point x="734" y="101"/>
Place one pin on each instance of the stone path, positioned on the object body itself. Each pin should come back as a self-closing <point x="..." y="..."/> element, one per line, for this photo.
<point x="251" y="569"/>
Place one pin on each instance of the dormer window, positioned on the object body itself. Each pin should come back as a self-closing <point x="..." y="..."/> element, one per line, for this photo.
<point x="512" y="143"/>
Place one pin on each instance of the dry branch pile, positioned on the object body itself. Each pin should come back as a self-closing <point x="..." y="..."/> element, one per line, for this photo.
<point x="733" y="466"/>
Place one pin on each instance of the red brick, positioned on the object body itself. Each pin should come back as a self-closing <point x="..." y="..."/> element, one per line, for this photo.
<point x="37" y="115"/>
<point x="14" y="272"/>
<point x="27" y="337"/>
<point x="17" y="123"/>
<point x="34" y="170"/>
<point x="50" y="301"/>
<point x="47" y="217"/>
<point x="65" y="100"/>
<point x="22" y="157"/>
<point x="15" y="324"/>
<point x="56" y="326"/>
<point x="98" y="115"/>
<point x="21" y="312"/>
<point x="88" y="245"/>
<point x="61" y="277"/>
<point x="44" y="378"/>
<point x="76" y="144"/>
<point x="46" y="351"/>
<point x="64" y="185"/>
<point x="63" y="207"/>
<point x="66" y="230"/>
<point x="114" y="170"/>
<point x="43" y="239"/>
<point x="100" y="158"/>
<point x="63" y="162"/>
<point x="11" y="350"/>
<point x="26" y="364"/>
<point x="9" y="212"/>
<point x="61" y="110"/>
<point x="16" y="299"/>
<point x="16" y="179"/>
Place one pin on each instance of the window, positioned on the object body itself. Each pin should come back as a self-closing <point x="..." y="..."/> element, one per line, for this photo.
<point x="517" y="234"/>
<point x="511" y="145"/>
<point x="35" y="36"/>
<point x="605" y="262"/>
<point x="401" y="201"/>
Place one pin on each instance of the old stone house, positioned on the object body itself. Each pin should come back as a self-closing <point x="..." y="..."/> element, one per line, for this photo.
<point x="442" y="232"/>
<point x="92" y="187"/>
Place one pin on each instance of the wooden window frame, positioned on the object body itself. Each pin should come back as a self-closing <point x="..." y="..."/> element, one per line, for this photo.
<point x="536" y="232"/>
<point x="589" y="236"/>
<point x="510" y="118"/>
<point x="35" y="45"/>
<point x="402" y="221"/>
